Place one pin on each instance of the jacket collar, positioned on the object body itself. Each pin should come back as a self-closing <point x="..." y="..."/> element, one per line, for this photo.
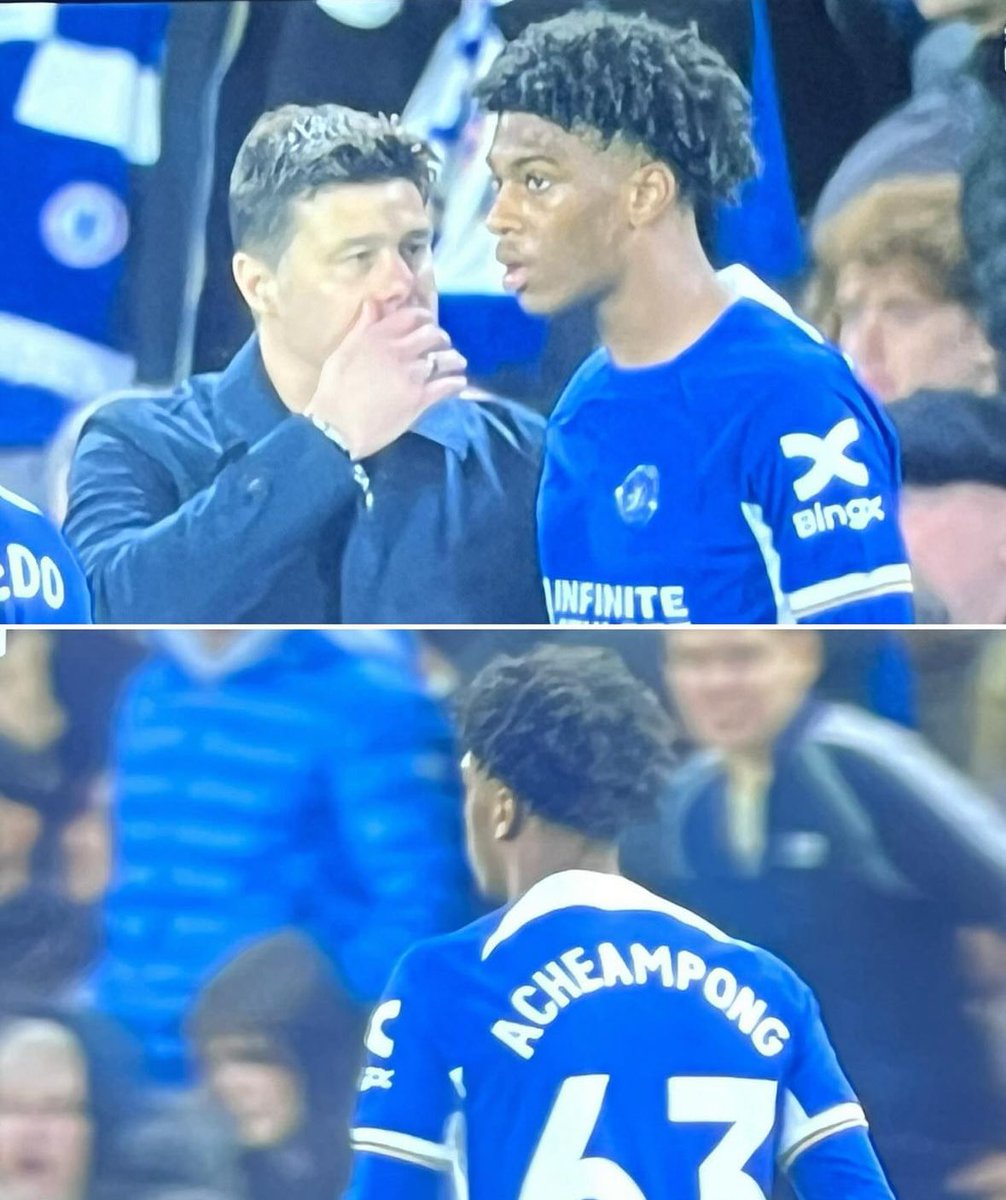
<point x="247" y="408"/>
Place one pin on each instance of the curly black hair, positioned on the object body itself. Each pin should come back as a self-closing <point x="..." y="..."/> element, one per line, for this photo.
<point x="655" y="86"/>
<point x="575" y="735"/>
<point x="294" y="150"/>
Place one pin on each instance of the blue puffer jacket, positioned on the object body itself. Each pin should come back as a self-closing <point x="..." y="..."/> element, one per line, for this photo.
<point x="306" y="780"/>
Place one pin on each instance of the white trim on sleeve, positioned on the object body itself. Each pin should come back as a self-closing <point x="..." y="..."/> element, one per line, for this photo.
<point x="846" y="589"/>
<point x="403" y="1146"/>
<point x="800" y="1132"/>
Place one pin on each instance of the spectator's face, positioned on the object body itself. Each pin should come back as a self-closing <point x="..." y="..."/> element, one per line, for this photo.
<point x="558" y="213"/>
<point x="351" y="243"/>
<point x="737" y="690"/>
<point x="956" y="539"/>
<point x="262" y="1097"/>
<point x="901" y="338"/>
<point x="45" y="1130"/>
<point x="482" y="796"/>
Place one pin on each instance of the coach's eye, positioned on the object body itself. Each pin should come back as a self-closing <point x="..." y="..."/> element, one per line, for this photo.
<point x="537" y="183"/>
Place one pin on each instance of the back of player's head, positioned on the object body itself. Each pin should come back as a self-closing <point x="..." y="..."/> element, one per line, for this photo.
<point x="573" y="734"/>
<point x="293" y="151"/>
<point x="635" y="79"/>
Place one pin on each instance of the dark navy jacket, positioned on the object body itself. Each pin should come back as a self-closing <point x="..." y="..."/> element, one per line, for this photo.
<point x="215" y="504"/>
<point x="877" y="851"/>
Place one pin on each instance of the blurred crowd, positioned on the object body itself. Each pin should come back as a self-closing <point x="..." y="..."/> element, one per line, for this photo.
<point x="215" y="845"/>
<point x="878" y="213"/>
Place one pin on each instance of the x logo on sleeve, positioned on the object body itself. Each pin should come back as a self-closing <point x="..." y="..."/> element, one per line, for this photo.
<point x="828" y="456"/>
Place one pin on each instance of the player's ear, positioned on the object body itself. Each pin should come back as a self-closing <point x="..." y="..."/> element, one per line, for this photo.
<point x="256" y="283"/>
<point x="652" y="191"/>
<point x="507" y="818"/>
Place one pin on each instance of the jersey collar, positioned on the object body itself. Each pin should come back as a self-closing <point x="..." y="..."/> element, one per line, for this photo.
<point x="588" y="889"/>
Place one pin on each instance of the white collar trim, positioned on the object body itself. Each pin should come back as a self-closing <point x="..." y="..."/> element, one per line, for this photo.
<point x="590" y="889"/>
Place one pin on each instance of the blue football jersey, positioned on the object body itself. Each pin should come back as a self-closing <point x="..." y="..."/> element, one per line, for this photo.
<point x="749" y="480"/>
<point x="595" y="1042"/>
<point x="40" y="581"/>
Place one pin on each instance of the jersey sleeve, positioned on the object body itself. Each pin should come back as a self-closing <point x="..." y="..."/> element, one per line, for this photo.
<point x="825" y="488"/>
<point x="845" y="1165"/>
<point x="818" y="1102"/>
<point x="407" y="1097"/>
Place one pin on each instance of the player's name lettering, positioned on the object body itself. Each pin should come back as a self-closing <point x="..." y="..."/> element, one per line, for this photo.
<point x="856" y="514"/>
<point x="571" y="976"/>
<point x="584" y="602"/>
<point x="23" y="576"/>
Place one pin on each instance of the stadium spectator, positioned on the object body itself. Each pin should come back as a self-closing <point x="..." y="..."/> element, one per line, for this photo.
<point x="72" y="1116"/>
<point x="903" y="297"/>
<point x="266" y="780"/>
<point x="953" y="516"/>
<point x="52" y="856"/>
<point x="334" y="472"/>
<point x="282" y="1052"/>
<point x="40" y="581"/>
<point x="935" y="130"/>
<point x="842" y="843"/>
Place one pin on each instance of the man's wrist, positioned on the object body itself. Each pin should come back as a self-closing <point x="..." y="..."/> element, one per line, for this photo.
<point x="330" y="432"/>
<point x="360" y="476"/>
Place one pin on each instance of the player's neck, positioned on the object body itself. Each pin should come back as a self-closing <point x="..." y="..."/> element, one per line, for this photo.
<point x="667" y="299"/>
<point x="538" y="862"/>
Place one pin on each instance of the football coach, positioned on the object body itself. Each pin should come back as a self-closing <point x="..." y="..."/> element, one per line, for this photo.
<point x="337" y="470"/>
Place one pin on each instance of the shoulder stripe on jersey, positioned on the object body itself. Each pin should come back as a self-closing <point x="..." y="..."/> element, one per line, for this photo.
<point x="846" y="589"/>
<point x="592" y="889"/>
<point x="19" y="502"/>
<point x="404" y="1147"/>
<point x="812" y="1130"/>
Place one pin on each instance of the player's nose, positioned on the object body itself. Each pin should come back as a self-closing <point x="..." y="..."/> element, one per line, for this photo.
<point x="502" y="217"/>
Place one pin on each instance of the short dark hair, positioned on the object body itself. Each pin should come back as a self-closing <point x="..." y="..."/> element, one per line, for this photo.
<point x="951" y="437"/>
<point x="658" y="87"/>
<point x="295" y="150"/>
<point x="575" y="735"/>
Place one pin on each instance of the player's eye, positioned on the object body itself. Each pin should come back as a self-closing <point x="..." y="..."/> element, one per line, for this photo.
<point x="537" y="183"/>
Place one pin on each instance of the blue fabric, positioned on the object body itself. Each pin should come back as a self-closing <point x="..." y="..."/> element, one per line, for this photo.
<point x="715" y="488"/>
<point x="605" y="1042"/>
<point x="65" y="229"/>
<point x="763" y="229"/>
<point x="216" y="505"/>
<point x="40" y="580"/>
<point x="313" y="787"/>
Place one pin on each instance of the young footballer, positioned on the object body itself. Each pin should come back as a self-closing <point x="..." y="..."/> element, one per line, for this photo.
<point x="713" y="460"/>
<point x="591" y="1041"/>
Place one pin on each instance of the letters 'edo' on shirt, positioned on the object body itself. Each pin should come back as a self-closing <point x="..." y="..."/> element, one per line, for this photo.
<point x="594" y="1032"/>
<point x="749" y="480"/>
<point x="40" y="581"/>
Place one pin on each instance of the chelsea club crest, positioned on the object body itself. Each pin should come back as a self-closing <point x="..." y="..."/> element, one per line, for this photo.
<point x="638" y="495"/>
